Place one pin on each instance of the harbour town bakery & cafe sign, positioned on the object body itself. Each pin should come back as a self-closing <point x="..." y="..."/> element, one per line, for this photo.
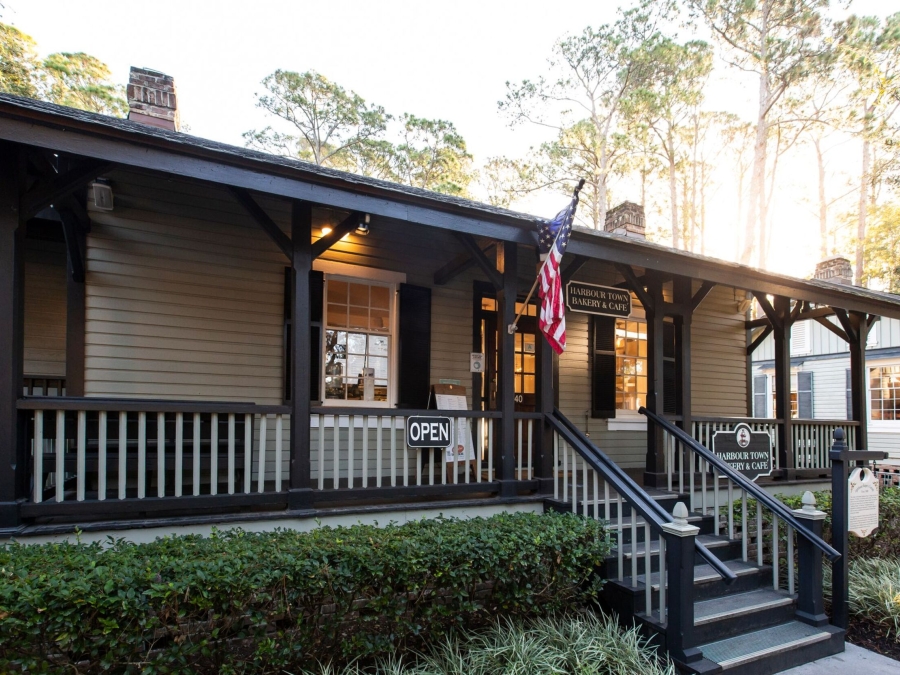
<point x="593" y="299"/>
<point x="749" y="452"/>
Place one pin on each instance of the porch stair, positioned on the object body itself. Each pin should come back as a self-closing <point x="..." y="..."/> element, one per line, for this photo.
<point x="744" y="622"/>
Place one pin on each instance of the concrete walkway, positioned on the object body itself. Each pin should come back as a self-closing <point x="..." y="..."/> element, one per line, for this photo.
<point x="854" y="661"/>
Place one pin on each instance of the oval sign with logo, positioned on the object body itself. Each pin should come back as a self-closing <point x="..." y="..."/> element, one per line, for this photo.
<point x="748" y="452"/>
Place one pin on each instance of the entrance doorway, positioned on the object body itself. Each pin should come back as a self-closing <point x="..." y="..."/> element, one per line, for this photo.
<point x="527" y="361"/>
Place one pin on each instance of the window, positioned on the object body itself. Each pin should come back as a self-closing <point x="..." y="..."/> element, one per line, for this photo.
<point x="800" y="343"/>
<point x="357" y="340"/>
<point x="525" y="347"/>
<point x="884" y="392"/>
<point x="801" y="396"/>
<point x="631" y="364"/>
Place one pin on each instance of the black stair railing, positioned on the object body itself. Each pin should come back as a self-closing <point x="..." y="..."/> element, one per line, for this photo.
<point x="805" y="525"/>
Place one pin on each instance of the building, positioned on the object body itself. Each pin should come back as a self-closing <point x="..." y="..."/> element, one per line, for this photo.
<point x="821" y="371"/>
<point x="202" y="335"/>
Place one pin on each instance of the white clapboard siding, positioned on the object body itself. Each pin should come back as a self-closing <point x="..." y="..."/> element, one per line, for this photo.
<point x="719" y="356"/>
<point x="45" y="309"/>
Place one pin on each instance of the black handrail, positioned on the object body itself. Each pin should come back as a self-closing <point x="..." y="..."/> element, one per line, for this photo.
<point x="625" y="485"/>
<point x="761" y="495"/>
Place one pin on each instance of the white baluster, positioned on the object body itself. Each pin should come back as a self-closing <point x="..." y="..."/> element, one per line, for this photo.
<point x="393" y="452"/>
<point x="336" y="454"/>
<point x="662" y="579"/>
<point x="196" y="464"/>
<point x="160" y="454"/>
<point x="775" y="561"/>
<point x="351" y="430"/>
<point x="38" y="494"/>
<point x="101" y="456"/>
<point x="60" y="454"/>
<point x="279" y="450"/>
<point x="648" y="545"/>
<point x="490" y="449"/>
<point x="123" y="449"/>
<point x="321" y="452"/>
<point x="231" y="453"/>
<point x="520" y="439"/>
<point x="565" y="471"/>
<point x="365" y="453"/>
<point x="214" y="453"/>
<point x="81" y="443"/>
<point x="142" y="456"/>
<point x="555" y="465"/>
<point x="790" y="557"/>
<point x="261" y="468"/>
<point x="248" y="451"/>
<point x="379" y="425"/>
<point x="179" y="454"/>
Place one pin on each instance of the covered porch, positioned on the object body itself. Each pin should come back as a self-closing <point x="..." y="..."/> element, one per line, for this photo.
<point x="170" y="382"/>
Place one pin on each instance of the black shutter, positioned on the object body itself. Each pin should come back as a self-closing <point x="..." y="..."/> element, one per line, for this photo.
<point x="414" y="347"/>
<point x="670" y="386"/>
<point x="804" y="395"/>
<point x="759" y="396"/>
<point x="316" y="300"/>
<point x="602" y="354"/>
<point x="849" y="388"/>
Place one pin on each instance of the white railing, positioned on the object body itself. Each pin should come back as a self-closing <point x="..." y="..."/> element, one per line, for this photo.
<point x="352" y="449"/>
<point x="83" y="450"/>
<point x="585" y="491"/>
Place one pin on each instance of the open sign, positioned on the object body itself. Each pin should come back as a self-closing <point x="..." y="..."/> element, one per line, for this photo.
<point x="428" y="432"/>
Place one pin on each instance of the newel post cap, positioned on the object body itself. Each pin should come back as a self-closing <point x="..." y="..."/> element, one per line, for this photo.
<point x="679" y="525"/>
<point x="809" y="510"/>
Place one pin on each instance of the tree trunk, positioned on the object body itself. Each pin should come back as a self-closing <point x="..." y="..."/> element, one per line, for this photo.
<point x="756" y="235"/>
<point x="823" y="205"/>
<point x="863" y="212"/>
<point x="673" y="199"/>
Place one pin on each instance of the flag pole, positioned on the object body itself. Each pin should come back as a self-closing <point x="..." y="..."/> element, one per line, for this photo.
<point x="514" y="326"/>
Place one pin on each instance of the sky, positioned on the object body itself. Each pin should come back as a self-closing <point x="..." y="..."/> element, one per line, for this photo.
<point x="435" y="60"/>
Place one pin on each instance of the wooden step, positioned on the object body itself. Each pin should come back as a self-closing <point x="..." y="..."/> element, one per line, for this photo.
<point x="702" y="574"/>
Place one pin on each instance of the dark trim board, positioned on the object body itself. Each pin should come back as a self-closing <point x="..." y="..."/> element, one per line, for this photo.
<point x="884" y="353"/>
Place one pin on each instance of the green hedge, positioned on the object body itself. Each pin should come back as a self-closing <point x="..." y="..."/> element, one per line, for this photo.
<point x="241" y="602"/>
<point x="883" y="543"/>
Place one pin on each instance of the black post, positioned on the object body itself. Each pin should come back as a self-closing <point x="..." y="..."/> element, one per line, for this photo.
<point x="810" y="600"/>
<point x="546" y="400"/>
<point x="859" y="377"/>
<point x="679" y="621"/>
<point x="782" y="334"/>
<point x="682" y="295"/>
<point x="655" y="463"/>
<point x="75" y="300"/>
<point x="13" y="467"/>
<point x="840" y="514"/>
<point x="506" y="310"/>
<point x="300" y="494"/>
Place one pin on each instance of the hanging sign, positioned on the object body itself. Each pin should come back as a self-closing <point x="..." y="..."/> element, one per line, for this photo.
<point x="863" y="507"/>
<point x="428" y="432"/>
<point x="593" y="299"/>
<point x="748" y="452"/>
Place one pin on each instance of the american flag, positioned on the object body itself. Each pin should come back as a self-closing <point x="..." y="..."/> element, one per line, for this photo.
<point x="553" y="238"/>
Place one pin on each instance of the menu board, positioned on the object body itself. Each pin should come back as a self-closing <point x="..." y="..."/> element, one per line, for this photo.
<point x="453" y="397"/>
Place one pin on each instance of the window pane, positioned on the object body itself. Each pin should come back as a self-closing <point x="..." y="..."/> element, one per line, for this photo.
<point x="529" y="384"/>
<point x="356" y="343"/>
<point x="489" y="304"/>
<point x="381" y="297"/>
<point x="529" y="363"/>
<point x="378" y="345"/>
<point x="337" y="292"/>
<point x="379" y="320"/>
<point x="337" y="315"/>
<point x="529" y="344"/>
<point x="359" y="295"/>
<point x="359" y="317"/>
<point x="380" y="364"/>
<point x="518" y="363"/>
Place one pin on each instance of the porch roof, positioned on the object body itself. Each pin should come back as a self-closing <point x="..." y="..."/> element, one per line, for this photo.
<point x="128" y="143"/>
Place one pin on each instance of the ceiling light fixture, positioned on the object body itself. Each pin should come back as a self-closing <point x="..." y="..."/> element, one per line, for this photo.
<point x="326" y="230"/>
<point x="363" y="227"/>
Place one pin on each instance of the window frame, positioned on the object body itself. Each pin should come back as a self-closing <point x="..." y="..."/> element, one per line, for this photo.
<point x="391" y="397"/>
<point x="878" y="424"/>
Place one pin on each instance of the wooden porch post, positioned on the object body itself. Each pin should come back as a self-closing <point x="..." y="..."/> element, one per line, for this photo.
<point x="683" y="296"/>
<point x="547" y="399"/>
<point x="13" y="467"/>
<point x="858" y="376"/>
<point x="506" y="310"/>
<point x="782" y="334"/>
<point x="655" y="378"/>
<point x="300" y="494"/>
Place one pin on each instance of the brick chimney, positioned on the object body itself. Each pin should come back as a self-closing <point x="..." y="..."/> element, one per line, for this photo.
<point x="836" y="270"/>
<point x="151" y="99"/>
<point x="626" y="219"/>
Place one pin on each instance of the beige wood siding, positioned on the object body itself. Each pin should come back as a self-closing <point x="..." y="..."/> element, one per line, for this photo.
<point x="184" y="297"/>
<point x="719" y="356"/>
<point x="45" y="309"/>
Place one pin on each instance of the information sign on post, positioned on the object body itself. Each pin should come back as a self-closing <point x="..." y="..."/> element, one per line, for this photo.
<point x="748" y="452"/>
<point x="863" y="502"/>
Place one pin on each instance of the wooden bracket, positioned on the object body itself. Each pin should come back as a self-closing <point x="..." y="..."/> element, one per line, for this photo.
<point x="758" y="340"/>
<point x="830" y="326"/>
<point x="849" y="330"/>
<point x="457" y="266"/>
<point x="269" y="226"/>
<point x="763" y="301"/>
<point x="71" y="225"/>
<point x="489" y="269"/>
<point x="571" y="270"/>
<point x="54" y="188"/>
<point x="701" y="294"/>
<point x="635" y="285"/>
<point x="345" y="227"/>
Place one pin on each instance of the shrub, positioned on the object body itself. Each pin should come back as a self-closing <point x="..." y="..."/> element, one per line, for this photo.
<point x="242" y="602"/>
<point x="576" y="644"/>
<point x="874" y="591"/>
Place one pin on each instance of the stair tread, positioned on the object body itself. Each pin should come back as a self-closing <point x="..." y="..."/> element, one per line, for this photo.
<point x="639" y="522"/>
<point x="735" y="651"/>
<point x="708" y="540"/>
<point x="702" y="573"/>
<point x="728" y="606"/>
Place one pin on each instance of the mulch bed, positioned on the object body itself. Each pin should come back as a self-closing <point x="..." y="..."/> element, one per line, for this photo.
<point x="871" y="636"/>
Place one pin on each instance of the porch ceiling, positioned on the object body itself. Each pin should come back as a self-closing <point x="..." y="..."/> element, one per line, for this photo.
<point x="132" y="144"/>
